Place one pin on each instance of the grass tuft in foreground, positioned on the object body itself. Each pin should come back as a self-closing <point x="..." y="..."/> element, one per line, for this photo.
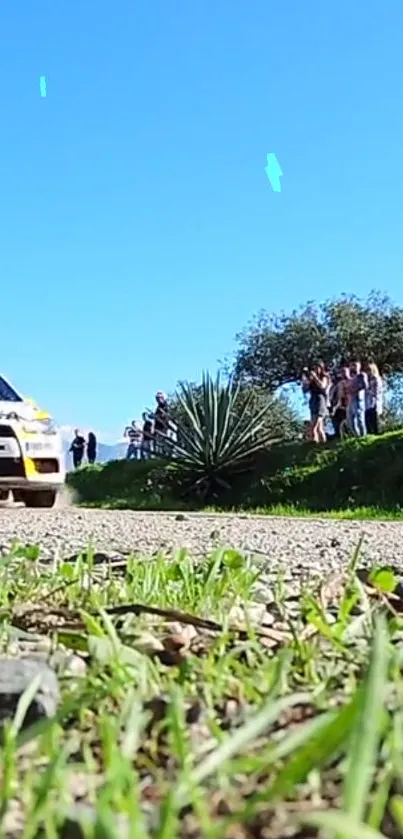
<point x="207" y="698"/>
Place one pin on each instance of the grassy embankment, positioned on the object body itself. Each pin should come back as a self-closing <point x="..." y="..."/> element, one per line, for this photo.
<point x="355" y="479"/>
<point x="216" y="718"/>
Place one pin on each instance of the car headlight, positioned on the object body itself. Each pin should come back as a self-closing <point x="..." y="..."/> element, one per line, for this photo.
<point x="48" y="427"/>
<point x="40" y="427"/>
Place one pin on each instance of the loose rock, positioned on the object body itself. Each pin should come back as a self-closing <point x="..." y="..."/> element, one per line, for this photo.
<point x="16" y="675"/>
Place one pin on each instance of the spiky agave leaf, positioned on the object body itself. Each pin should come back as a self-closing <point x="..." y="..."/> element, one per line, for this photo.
<point x="222" y="432"/>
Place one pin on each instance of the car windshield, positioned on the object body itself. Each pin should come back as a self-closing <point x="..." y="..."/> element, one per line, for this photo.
<point x="7" y="393"/>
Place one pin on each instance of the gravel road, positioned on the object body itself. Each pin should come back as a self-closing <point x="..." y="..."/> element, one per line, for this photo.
<point x="298" y="544"/>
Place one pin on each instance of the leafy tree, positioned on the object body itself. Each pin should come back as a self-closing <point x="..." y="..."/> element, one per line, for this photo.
<point x="392" y="418"/>
<point x="273" y="351"/>
<point x="220" y="432"/>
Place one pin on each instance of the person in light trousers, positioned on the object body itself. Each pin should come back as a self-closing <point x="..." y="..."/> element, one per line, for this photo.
<point x="373" y="398"/>
<point x="356" y="401"/>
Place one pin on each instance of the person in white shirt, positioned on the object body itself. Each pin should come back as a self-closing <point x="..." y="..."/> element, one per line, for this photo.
<point x="373" y="398"/>
<point x="134" y="435"/>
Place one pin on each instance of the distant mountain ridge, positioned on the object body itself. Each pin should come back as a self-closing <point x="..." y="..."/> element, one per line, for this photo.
<point x="105" y="453"/>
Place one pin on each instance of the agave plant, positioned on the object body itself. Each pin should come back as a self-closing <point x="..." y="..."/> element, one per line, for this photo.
<point x="220" y="433"/>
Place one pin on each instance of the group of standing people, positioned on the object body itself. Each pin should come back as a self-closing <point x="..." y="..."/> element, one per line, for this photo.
<point x="352" y="396"/>
<point x="153" y="437"/>
<point x="80" y="445"/>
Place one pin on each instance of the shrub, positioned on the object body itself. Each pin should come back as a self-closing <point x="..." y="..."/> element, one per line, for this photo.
<point x="221" y="436"/>
<point x="356" y="473"/>
<point x="144" y="484"/>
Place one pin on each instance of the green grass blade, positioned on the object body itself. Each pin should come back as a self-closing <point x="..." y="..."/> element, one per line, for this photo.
<point x="379" y="801"/>
<point x="290" y="743"/>
<point x="396" y="806"/>
<point x="25" y="701"/>
<point x="322" y="747"/>
<point x="240" y="739"/>
<point x="342" y="823"/>
<point x="368" y="731"/>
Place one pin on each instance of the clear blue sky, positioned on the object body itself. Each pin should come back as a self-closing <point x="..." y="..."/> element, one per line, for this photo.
<point x="139" y="232"/>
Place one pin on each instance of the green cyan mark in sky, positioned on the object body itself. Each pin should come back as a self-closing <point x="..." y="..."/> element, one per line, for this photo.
<point x="42" y="85"/>
<point x="273" y="172"/>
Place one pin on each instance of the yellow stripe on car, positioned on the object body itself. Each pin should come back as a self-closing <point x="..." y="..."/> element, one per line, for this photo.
<point x="29" y="467"/>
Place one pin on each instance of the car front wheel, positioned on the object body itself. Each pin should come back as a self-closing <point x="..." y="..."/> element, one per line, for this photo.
<point x="39" y="498"/>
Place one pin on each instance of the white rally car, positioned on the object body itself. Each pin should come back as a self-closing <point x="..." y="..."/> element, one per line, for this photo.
<point x="32" y="463"/>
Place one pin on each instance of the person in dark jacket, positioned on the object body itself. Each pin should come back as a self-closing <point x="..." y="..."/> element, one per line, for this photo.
<point x="91" y="448"/>
<point x="315" y="382"/>
<point x="161" y="423"/>
<point x="77" y="449"/>
<point x="147" y="437"/>
<point x="339" y="399"/>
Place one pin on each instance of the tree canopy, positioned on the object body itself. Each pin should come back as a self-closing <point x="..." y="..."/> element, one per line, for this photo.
<point x="273" y="351"/>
